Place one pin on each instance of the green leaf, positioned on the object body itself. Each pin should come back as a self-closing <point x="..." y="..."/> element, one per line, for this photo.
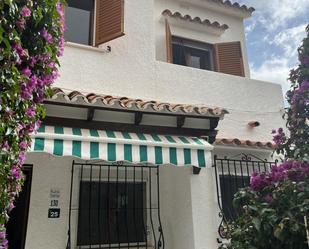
<point x="257" y="223"/>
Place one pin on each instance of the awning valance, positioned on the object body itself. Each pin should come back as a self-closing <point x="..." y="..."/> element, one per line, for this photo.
<point x="122" y="146"/>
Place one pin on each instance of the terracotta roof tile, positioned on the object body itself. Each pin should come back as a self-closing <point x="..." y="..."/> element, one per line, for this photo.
<point x="244" y="143"/>
<point x="228" y="3"/>
<point x="114" y="102"/>
<point x="197" y="20"/>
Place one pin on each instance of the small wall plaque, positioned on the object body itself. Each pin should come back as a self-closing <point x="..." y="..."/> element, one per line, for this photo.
<point x="54" y="193"/>
<point x="54" y="213"/>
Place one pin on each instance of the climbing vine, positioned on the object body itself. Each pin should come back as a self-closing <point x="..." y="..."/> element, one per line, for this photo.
<point x="275" y="207"/>
<point x="296" y="144"/>
<point x="31" y="40"/>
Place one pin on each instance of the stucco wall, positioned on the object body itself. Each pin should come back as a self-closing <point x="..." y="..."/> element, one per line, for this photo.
<point x="188" y="205"/>
<point x="48" y="172"/>
<point x="135" y="68"/>
<point x="131" y="70"/>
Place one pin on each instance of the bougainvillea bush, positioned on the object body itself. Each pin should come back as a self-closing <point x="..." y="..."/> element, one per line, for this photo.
<point x="31" y="40"/>
<point x="275" y="207"/>
<point x="295" y="145"/>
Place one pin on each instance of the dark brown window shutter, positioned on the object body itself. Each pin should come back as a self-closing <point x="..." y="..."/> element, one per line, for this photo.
<point x="169" y="48"/>
<point x="109" y="20"/>
<point x="228" y="58"/>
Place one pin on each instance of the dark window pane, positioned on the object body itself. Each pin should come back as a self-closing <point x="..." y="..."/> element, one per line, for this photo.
<point x="192" y="54"/>
<point x="78" y="17"/>
<point x="111" y="213"/>
<point x="179" y="55"/>
<point x="196" y="61"/>
<point x="229" y="186"/>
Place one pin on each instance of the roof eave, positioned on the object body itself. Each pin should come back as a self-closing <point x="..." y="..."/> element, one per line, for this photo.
<point x="91" y="100"/>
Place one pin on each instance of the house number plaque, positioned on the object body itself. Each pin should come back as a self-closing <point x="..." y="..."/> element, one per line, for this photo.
<point x="54" y="210"/>
<point x="54" y="213"/>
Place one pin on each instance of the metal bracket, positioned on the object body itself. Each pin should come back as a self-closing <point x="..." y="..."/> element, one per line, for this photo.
<point x="196" y="170"/>
<point x="90" y="114"/>
<point x="181" y="121"/>
<point x="138" y="118"/>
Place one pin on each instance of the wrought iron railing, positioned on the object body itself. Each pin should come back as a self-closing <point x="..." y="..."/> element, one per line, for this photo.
<point x="115" y="206"/>
<point x="233" y="174"/>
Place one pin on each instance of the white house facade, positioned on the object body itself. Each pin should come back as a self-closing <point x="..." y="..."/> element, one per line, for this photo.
<point x="149" y="92"/>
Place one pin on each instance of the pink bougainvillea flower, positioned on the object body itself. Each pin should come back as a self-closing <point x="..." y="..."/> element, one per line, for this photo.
<point x="19" y="50"/>
<point x="47" y="36"/>
<point x="23" y="145"/>
<point x="30" y="112"/>
<point x="32" y="61"/>
<point x="5" y="145"/>
<point x="60" y="11"/>
<point x="25" y="92"/>
<point x="25" y="11"/>
<point x="2" y="235"/>
<point x="11" y="206"/>
<point x="21" y="23"/>
<point x="32" y="82"/>
<point x="21" y="158"/>
<point x="16" y="172"/>
<point x="26" y="71"/>
<point x="51" y="65"/>
<point x="61" y="46"/>
<point x="38" y="124"/>
<point x="4" y="244"/>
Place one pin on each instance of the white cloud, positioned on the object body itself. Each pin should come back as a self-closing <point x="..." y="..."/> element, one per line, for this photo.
<point x="250" y="27"/>
<point x="289" y="39"/>
<point x="273" y="70"/>
<point x="280" y="33"/>
<point x="272" y="14"/>
<point x="276" y="67"/>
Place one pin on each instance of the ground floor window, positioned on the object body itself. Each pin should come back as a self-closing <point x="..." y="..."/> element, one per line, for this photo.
<point x="229" y="185"/>
<point x="111" y="212"/>
<point x="115" y="206"/>
<point x="232" y="175"/>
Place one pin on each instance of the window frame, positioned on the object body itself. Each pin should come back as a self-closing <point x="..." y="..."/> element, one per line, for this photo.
<point x="227" y="199"/>
<point x="77" y="177"/>
<point x="92" y="23"/>
<point x="197" y="45"/>
<point x="145" y="207"/>
<point x="94" y="33"/>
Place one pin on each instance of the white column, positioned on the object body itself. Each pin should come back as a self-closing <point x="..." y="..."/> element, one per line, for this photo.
<point x="204" y="209"/>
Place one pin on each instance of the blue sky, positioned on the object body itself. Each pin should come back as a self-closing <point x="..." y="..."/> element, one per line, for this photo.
<point x="274" y="33"/>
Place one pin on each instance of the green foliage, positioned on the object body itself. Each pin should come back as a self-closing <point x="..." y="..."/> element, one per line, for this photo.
<point x="297" y="115"/>
<point x="275" y="224"/>
<point x="31" y="39"/>
<point x="276" y="205"/>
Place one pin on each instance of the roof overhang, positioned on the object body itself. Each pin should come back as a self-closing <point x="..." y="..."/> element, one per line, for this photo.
<point x="195" y="23"/>
<point x="97" y="111"/>
<point x="224" y="6"/>
<point x="247" y="144"/>
<point x="126" y="104"/>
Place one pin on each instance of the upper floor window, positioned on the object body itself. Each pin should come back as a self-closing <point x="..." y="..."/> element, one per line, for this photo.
<point x="220" y="57"/>
<point x="93" y="22"/>
<point x="79" y="21"/>
<point x="192" y="54"/>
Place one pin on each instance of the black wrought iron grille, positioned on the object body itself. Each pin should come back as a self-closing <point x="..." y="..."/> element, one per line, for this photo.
<point x="115" y="206"/>
<point x="232" y="175"/>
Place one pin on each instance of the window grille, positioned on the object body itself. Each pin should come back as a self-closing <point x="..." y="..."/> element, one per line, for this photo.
<point x="115" y="206"/>
<point x="232" y="175"/>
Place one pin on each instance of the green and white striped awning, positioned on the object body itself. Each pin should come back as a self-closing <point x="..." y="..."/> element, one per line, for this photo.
<point x="114" y="146"/>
